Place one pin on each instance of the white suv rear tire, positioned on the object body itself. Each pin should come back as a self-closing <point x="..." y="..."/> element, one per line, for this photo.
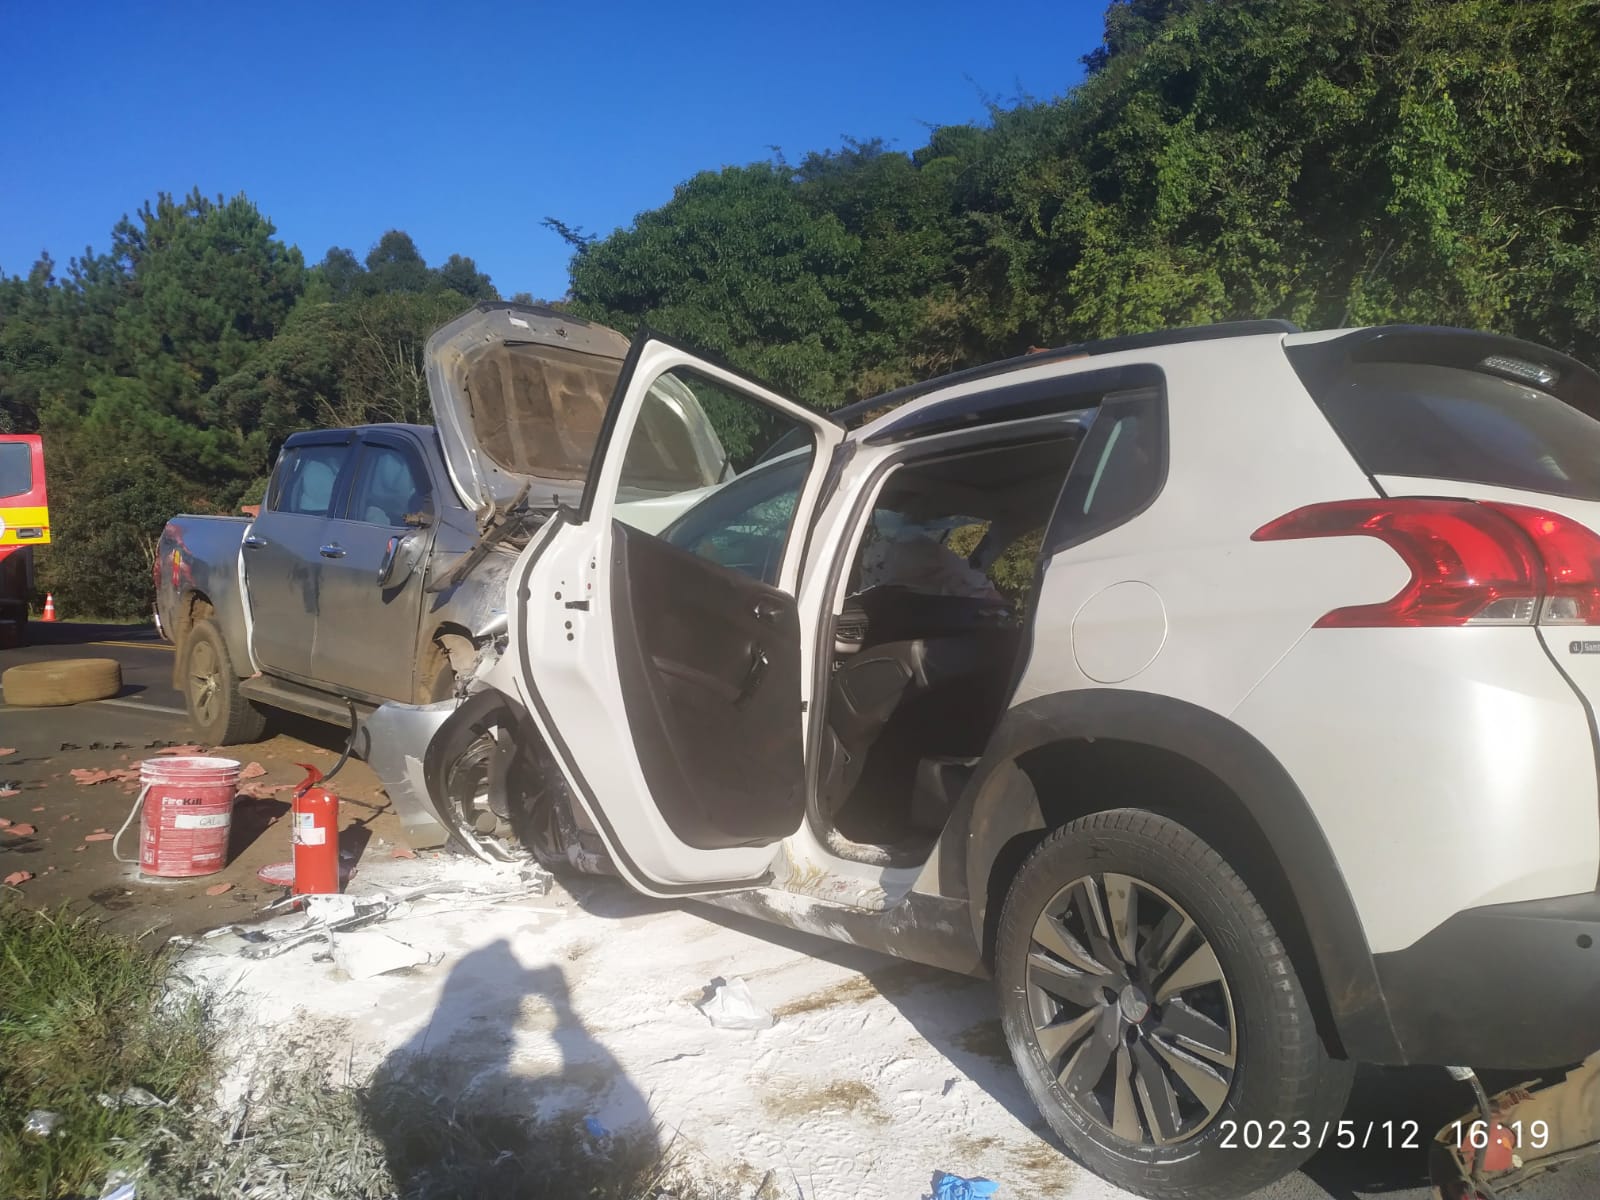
<point x="1155" y="1015"/>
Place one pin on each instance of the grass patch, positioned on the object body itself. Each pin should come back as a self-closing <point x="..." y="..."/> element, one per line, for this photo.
<point x="85" y="1013"/>
<point x="300" y="1135"/>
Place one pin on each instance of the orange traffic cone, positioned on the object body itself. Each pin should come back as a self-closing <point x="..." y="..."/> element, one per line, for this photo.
<point x="49" y="607"/>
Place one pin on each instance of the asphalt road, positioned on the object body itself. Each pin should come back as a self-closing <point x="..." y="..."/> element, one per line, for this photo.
<point x="60" y="814"/>
<point x="146" y="659"/>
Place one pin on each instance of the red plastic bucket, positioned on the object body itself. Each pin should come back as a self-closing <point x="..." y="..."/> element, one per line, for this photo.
<point x="187" y="815"/>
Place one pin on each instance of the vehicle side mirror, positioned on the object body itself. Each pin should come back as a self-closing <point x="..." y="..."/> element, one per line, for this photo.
<point x="400" y="558"/>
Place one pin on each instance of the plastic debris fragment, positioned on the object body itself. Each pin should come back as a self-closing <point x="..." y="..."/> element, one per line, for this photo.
<point x="733" y="1007"/>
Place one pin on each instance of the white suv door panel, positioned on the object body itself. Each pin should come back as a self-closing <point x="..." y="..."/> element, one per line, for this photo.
<point x="649" y="670"/>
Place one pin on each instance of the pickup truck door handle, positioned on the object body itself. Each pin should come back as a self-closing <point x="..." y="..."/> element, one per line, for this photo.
<point x="332" y="550"/>
<point x="254" y="543"/>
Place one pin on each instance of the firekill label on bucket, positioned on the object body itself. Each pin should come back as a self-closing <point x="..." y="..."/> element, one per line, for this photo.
<point x="307" y="832"/>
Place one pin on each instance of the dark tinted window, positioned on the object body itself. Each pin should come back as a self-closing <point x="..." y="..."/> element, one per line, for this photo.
<point x="1453" y="423"/>
<point x="390" y="485"/>
<point x="1119" y="470"/>
<point x="305" y="480"/>
<point x="16" y="469"/>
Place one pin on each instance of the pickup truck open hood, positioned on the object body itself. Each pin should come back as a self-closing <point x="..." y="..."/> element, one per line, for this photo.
<point x="519" y="394"/>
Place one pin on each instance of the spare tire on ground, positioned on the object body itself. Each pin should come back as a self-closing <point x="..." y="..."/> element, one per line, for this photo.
<point x="66" y="681"/>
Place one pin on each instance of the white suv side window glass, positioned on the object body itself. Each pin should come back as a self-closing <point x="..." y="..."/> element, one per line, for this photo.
<point x="714" y="472"/>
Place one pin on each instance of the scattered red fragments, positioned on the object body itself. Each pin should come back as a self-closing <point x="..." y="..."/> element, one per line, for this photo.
<point x="404" y="852"/>
<point x="218" y="889"/>
<point x="16" y="877"/>
<point x="5" y="750"/>
<point x="252" y="771"/>
<point x="4" y="821"/>
<point x="86" y="776"/>
<point x="4" y="792"/>
<point x="98" y="837"/>
<point x="20" y="831"/>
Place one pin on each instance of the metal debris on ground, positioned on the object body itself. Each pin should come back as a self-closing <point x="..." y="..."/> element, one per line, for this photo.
<point x="368" y="953"/>
<point x="321" y="917"/>
<point x="41" y="1123"/>
<point x="733" y="1007"/>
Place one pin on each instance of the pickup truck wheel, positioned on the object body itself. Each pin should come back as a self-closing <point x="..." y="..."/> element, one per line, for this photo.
<point x="1155" y="1016"/>
<point x="219" y="714"/>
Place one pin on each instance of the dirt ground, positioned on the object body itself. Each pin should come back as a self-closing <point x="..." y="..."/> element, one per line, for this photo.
<point x="60" y="815"/>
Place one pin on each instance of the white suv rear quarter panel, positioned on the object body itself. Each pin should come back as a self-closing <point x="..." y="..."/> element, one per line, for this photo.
<point x="1245" y="445"/>
<point x="1449" y="768"/>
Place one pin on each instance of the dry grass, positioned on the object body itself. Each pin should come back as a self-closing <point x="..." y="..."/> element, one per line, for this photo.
<point x="844" y="1095"/>
<point x="301" y="1137"/>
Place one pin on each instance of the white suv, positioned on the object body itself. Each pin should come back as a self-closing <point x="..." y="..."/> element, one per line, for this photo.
<point x="1225" y="693"/>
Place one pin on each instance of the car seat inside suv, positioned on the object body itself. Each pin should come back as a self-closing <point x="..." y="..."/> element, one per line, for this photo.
<point x="926" y="644"/>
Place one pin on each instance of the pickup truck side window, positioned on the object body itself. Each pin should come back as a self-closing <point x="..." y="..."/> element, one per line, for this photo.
<point x="304" y="484"/>
<point x="390" y="486"/>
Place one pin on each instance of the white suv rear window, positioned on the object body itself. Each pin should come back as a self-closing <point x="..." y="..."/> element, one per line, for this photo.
<point x="1441" y="422"/>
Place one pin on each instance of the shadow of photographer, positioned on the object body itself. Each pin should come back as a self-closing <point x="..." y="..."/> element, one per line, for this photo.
<point x="461" y="1113"/>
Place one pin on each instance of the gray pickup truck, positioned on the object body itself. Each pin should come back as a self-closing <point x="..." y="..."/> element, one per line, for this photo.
<point x="375" y="567"/>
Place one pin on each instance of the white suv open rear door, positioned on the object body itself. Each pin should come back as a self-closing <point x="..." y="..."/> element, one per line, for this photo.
<point x="666" y="671"/>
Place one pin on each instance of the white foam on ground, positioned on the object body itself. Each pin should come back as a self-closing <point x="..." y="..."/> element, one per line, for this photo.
<point x="876" y="1074"/>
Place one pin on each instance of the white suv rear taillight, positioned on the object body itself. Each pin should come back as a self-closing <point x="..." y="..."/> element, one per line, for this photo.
<point x="1472" y="563"/>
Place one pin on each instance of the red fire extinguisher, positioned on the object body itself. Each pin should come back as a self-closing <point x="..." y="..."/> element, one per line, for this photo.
<point x="316" y="836"/>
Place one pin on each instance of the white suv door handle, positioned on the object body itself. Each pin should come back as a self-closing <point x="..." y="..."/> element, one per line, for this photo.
<point x="332" y="550"/>
<point x="254" y="543"/>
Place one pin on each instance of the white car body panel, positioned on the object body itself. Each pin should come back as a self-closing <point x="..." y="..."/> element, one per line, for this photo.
<point x="1477" y="784"/>
<point x="1232" y="607"/>
<point x="571" y="656"/>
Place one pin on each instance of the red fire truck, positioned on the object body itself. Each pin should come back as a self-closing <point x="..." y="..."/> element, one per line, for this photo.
<point x="24" y="523"/>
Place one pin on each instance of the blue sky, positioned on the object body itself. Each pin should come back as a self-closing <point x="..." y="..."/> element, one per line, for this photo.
<point x="466" y="125"/>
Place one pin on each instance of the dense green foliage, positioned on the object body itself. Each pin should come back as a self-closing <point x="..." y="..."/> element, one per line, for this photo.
<point x="166" y="372"/>
<point x="1330" y="161"/>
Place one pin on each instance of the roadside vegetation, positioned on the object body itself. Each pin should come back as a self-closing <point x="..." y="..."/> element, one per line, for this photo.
<point x="118" y="1067"/>
<point x="1333" y="162"/>
<point x="85" y="1014"/>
